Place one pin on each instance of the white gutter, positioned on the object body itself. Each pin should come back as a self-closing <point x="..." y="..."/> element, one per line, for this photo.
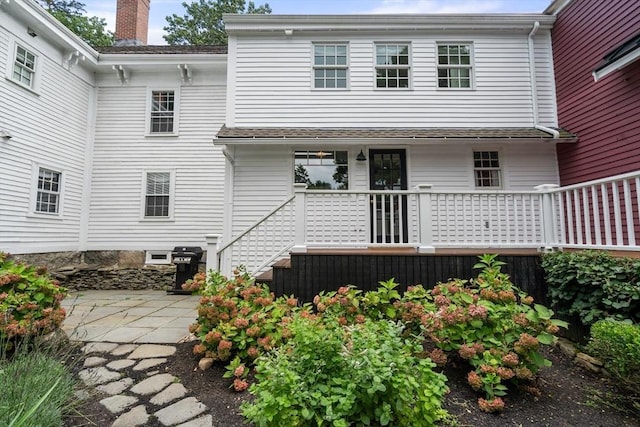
<point x="534" y="89"/>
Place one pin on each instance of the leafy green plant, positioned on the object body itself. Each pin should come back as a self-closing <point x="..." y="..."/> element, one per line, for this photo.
<point x="593" y="285"/>
<point x="334" y="375"/>
<point x="239" y="318"/>
<point x="618" y="346"/>
<point x="29" y="301"/>
<point x="492" y="325"/>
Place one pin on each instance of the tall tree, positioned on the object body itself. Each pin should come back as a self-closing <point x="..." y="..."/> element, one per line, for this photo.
<point x="72" y="14"/>
<point x="202" y="23"/>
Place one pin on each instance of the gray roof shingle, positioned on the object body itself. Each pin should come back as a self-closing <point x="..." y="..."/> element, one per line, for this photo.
<point x="161" y="49"/>
<point x="395" y="133"/>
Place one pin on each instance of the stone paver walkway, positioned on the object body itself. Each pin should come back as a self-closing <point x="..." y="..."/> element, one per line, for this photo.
<point x="128" y="338"/>
<point x="135" y="388"/>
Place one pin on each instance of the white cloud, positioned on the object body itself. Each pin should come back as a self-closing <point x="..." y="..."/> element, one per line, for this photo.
<point x="103" y="9"/>
<point x="438" y="6"/>
<point x="155" y="36"/>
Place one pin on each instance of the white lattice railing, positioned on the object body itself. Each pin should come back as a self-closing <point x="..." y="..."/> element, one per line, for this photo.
<point x="602" y="214"/>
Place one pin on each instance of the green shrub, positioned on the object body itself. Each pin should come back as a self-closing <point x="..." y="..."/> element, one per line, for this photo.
<point x="618" y="346"/>
<point x="492" y="325"/>
<point x="239" y="318"/>
<point x="29" y="301"/>
<point x="329" y="374"/>
<point x="37" y="390"/>
<point x="593" y="285"/>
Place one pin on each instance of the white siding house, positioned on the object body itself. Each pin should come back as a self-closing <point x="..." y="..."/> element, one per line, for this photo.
<point x="46" y="115"/>
<point x="108" y="149"/>
<point x="356" y="106"/>
<point x="128" y="151"/>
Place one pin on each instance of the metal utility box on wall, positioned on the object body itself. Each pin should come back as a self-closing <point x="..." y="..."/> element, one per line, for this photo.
<point x="186" y="259"/>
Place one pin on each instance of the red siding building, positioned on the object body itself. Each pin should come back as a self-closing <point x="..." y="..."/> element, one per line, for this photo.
<point x="596" y="51"/>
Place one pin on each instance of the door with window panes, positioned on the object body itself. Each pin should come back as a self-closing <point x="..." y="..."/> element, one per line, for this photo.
<point x="388" y="172"/>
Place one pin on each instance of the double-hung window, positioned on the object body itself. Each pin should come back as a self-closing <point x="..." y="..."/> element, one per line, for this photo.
<point x="392" y="65"/>
<point x="486" y="167"/>
<point x="330" y="65"/>
<point x="158" y="195"/>
<point x="454" y="65"/>
<point x="163" y="110"/>
<point x="48" y="191"/>
<point x="24" y="67"/>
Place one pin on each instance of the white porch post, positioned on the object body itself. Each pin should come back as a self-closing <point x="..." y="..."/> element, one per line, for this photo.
<point x="300" y="193"/>
<point x="213" y="243"/>
<point x="424" y="219"/>
<point x="549" y="237"/>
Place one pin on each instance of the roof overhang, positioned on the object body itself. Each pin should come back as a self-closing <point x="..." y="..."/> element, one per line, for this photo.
<point x="248" y="23"/>
<point x="48" y="27"/>
<point x="159" y="60"/>
<point x="379" y="136"/>
<point x="617" y="58"/>
<point x="556" y="7"/>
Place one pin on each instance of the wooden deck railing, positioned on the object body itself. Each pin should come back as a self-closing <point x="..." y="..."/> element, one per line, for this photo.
<point x="601" y="214"/>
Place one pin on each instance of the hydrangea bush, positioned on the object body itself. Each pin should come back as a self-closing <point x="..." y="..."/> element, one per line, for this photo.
<point x="486" y="322"/>
<point x="239" y="318"/>
<point x="29" y="301"/>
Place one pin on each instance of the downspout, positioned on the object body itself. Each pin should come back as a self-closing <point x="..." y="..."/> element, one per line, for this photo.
<point x="534" y="90"/>
<point x="229" y="174"/>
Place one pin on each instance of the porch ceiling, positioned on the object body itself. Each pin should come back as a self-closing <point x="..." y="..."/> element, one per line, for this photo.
<point x="236" y="135"/>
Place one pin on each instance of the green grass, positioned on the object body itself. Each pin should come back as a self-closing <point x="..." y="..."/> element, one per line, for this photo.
<point x="36" y="388"/>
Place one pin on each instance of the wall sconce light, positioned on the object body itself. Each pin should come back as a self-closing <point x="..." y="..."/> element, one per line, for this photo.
<point x="4" y="134"/>
<point x="31" y="32"/>
<point x="361" y="157"/>
<point x="288" y="32"/>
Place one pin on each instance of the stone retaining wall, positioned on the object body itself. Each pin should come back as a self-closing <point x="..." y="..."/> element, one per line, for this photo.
<point x="103" y="270"/>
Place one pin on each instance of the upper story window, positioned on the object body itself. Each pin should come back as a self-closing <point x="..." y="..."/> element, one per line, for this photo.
<point x="330" y="64"/>
<point x="48" y="194"/>
<point x="24" y="67"/>
<point x="322" y="170"/>
<point x="392" y="65"/>
<point x="454" y="65"/>
<point x="157" y="195"/>
<point x="486" y="167"/>
<point x="163" y="110"/>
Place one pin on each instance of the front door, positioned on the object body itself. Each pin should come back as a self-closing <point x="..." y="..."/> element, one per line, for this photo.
<point x="388" y="172"/>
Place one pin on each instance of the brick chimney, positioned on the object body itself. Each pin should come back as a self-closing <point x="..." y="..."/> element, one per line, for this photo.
<point x="132" y="22"/>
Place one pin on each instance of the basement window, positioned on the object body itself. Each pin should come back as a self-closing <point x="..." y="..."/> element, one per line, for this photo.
<point x="157" y="257"/>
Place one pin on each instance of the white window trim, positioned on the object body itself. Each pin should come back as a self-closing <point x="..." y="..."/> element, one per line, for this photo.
<point x="35" y="81"/>
<point x="150" y="261"/>
<point x="33" y="198"/>
<point x="176" y="112"/>
<point x="172" y="195"/>
<point x="472" y="66"/>
<point x="315" y="67"/>
<point x="408" y="67"/>
<point x="501" y="169"/>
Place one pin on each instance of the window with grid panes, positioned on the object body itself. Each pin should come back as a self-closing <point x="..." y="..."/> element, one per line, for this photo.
<point x="24" y="67"/>
<point x="162" y="111"/>
<point x="454" y="65"/>
<point x="48" y="195"/>
<point x="486" y="166"/>
<point x="330" y="65"/>
<point x="392" y="65"/>
<point x="158" y="194"/>
<point x="322" y="170"/>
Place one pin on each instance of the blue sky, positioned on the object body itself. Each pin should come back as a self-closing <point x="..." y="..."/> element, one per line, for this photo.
<point x="162" y="8"/>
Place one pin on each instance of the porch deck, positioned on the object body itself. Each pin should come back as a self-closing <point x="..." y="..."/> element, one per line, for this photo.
<point x="425" y="236"/>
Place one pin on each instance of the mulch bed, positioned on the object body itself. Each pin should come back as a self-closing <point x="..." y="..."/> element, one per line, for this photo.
<point x="569" y="396"/>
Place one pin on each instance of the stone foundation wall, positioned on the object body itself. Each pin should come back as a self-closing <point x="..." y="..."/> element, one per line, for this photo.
<point x="103" y="270"/>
